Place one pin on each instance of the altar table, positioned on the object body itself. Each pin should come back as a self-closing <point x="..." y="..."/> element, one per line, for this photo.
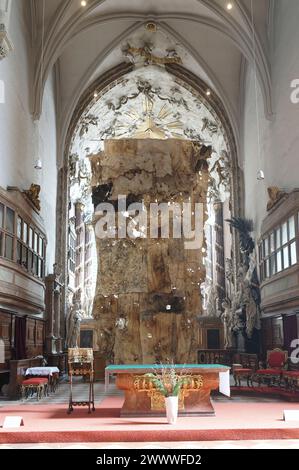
<point x="194" y="399"/>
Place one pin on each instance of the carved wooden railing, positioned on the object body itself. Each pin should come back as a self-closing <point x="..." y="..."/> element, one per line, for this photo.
<point x="227" y="358"/>
<point x="216" y="356"/>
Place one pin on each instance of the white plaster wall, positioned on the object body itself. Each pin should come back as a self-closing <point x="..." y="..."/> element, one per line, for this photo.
<point x="279" y="138"/>
<point x="48" y="176"/>
<point x="21" y="140"/>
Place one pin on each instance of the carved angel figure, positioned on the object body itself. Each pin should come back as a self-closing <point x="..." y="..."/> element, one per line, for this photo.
<point x="211" y="126"/>
<point x="275" y="194"/>
<point x="73" y="160"/>
<point x="211" y="301"/>
<point x="33" y="194"/>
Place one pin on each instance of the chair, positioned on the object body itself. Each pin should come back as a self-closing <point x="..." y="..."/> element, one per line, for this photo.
<point x="276" y="363"/>
<point x="54" y="381"/>
<point x="291" y="378"/>
<point x="38" y="385"/>
<point x="242" y="373"/>
<point x="245" y="370"/>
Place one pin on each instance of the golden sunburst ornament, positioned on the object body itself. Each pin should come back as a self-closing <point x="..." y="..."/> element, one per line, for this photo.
<point x="153" y="124"/>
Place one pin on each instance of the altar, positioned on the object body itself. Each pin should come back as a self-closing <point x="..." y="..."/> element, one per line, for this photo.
<point x="142" y="399"/>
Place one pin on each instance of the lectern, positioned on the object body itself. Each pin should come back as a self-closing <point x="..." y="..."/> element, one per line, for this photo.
<point x="80" y="364"/>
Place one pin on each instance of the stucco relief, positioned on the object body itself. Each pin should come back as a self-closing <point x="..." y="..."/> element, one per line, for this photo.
<point x="5" y="42"/>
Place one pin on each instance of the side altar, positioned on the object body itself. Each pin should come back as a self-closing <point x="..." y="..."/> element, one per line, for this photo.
<point x="143" y="399"/>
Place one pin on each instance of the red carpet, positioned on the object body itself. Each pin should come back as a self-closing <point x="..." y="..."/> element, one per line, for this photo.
<point x="233" y="421"/>
<point x="276" y="392"/>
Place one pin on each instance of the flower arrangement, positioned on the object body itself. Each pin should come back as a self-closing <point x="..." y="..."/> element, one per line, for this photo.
<point x="167" y="381"/>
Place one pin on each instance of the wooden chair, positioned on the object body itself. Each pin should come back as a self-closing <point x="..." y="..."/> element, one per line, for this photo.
<point x="245" y="370"/>
<point x="276" y="363"/>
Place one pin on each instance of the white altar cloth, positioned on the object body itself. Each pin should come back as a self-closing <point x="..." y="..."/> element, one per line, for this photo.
<point x="45" y="371"/>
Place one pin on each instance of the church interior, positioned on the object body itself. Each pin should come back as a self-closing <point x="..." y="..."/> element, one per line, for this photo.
<point x="149" y="223"/>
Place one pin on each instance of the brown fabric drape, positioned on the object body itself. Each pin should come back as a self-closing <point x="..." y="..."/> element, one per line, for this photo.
<point x="20" y="338"/>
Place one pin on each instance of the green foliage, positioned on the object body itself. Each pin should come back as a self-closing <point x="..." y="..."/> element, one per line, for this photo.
<point x="168" y="382"/>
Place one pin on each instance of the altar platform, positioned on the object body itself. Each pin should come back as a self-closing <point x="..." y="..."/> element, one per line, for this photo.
<point x="233" y="421"/>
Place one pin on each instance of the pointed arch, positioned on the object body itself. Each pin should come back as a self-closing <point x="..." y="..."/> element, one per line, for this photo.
<point x="188" y="47"/>
<point x="59" y="34"/>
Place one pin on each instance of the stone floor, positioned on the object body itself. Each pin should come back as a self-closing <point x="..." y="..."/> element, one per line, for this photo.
<point x="80" y="393"/>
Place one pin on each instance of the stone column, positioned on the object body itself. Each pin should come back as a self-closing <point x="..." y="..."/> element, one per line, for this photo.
<point x="88" y="297"/>
<point x="88" y="258"/>
<point x="62" y="245"/>
<point x="57" y="329"/>
<point x="80" y="249"/>
<point x="53" y="333"/>
<point x="50" y="315"/>
<point x="219" y="250"/>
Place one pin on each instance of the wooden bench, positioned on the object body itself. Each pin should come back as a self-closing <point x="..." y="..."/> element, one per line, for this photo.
<point x="17" y="373"/>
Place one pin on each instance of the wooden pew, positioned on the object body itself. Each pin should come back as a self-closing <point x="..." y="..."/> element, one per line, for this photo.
<point x="17" y="372"/>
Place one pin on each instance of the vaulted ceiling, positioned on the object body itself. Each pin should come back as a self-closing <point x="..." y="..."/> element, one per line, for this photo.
<point x="213" y="42"/>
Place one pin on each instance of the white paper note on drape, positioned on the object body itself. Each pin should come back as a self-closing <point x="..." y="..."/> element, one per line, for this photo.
<point x="224" y="383"/>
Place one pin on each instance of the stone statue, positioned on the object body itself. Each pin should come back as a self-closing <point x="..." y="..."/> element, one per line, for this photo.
<point x="248" y="289"/>
<point x="237" y="302"/>
<point x="211" y="126"/>
<point x="229" y="270"/>
<point x="222" y="168"/>
<point x="145" y="53"/>
<point x="88" y="301"/>
<point x="275" y="194"/>
<point x="212" y="301"/>
<point x="245" y="307"/>
<point x="33" y="195"/>
<point x="203" y="154"/>
<point x="251" y="311"/>
<point x="229" y="275"/>
<point x="73" y="325"/>
<point x="250" y="300"/>
<point x="203" y="294"/>
<point x="73" y="160"/>
<point x="84" y="174"/>
<point x="57" y="272"/>
<point x="227" y="323"/>
<point x="85" y="122"/>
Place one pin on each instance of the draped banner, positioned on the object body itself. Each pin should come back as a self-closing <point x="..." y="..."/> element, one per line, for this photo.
<point x="150" y="208"/>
